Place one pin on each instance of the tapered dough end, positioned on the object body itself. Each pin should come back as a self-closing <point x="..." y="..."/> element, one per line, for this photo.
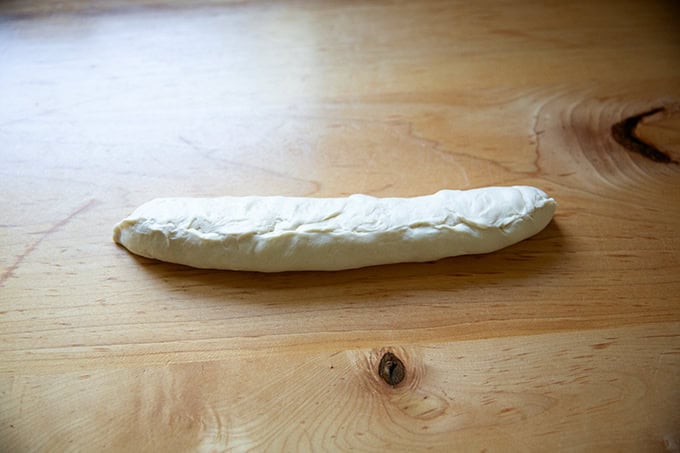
<point x="116" y="234"/>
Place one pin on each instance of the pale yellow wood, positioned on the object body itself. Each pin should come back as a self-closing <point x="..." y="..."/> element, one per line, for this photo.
<point x="567" y="341"/>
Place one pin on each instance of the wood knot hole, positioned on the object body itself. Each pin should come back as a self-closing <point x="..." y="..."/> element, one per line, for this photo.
<point x="625" y="134"/>
<point x="391" y="369"/>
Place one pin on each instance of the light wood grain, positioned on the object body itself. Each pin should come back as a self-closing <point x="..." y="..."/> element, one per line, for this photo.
<point x="568" y="341"/>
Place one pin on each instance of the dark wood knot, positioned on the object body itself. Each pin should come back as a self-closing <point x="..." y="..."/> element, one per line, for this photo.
<point x="623" y="133"/>
<point x="391" y="369"/>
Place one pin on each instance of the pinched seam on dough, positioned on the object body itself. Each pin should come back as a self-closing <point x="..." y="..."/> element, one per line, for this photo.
<point x="173" y="230"/>
<point x="273" y="231"/>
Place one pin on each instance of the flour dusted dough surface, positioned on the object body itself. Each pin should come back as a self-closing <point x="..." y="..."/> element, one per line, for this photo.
<point x="273" y="234"/>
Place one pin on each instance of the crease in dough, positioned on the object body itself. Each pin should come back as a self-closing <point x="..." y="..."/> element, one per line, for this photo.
<point x="274" y="234"/>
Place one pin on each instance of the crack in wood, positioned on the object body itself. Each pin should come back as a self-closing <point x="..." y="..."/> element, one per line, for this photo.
<point x="9" y="271"/>
<point x="623" y="133"/>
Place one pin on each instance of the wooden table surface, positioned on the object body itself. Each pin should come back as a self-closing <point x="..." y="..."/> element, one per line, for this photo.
<point x="567" y="341"/>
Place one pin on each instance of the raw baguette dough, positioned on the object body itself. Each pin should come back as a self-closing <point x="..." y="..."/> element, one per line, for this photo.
<point x="273" y="234"/>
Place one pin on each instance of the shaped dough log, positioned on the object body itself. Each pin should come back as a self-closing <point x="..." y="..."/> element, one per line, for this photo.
<point x="273" y="234"/>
